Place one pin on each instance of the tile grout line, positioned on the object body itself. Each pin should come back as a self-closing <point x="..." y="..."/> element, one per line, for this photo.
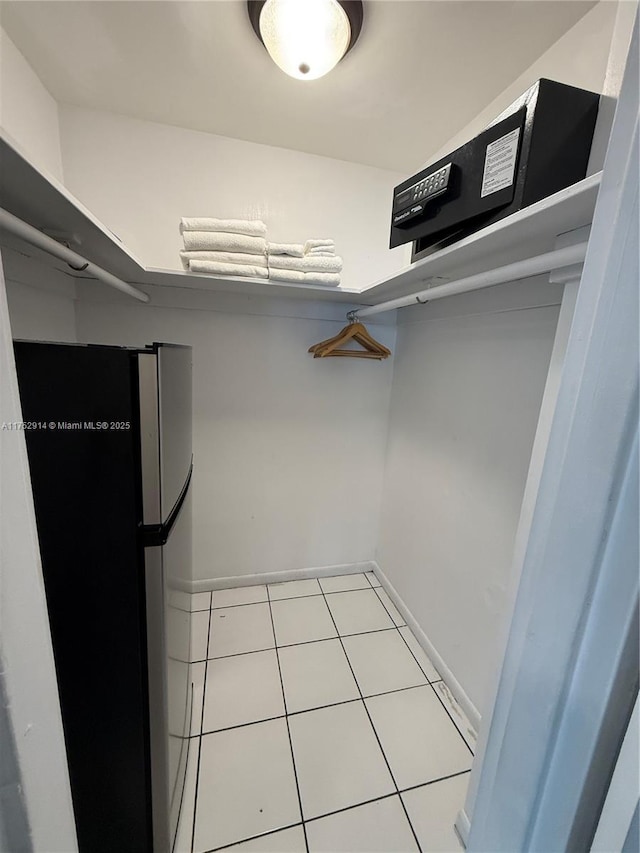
<point x="255" y="837"/>
<point x="291" y="645"/>
<point x="184" y="609"/>
<point x="204" y="695"/>
<point x="340" y="811"/>
<point x="453" y="722"/>
<point x="369" y="580"/>
<point x="373" y="728"/>
<point x="315" y="708"/>
<point x="286" y="718"/>
<point x="289" y="597"/>
<point x="429" y="682"/>
<point x="387" y="796"/>
<point x="389" y="614"/>
<point x="411" y="652"/>
<point x="294" y="713"/>
<point x="397" y="627"/>
<point x="434" y="781"/>
<point x="339" y="592"/>
<point x="287" y="714"/>
<point x="186" y="768"/>
<point x="402" y="637"/>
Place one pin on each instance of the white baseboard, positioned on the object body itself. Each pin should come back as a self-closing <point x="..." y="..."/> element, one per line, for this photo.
<point x="447" y="676"/>
<point x="207" y="584"/>
<point x="462" y="826"/>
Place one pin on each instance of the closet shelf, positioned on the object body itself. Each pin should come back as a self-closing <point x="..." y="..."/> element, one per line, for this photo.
<point x="45" y="203"/>
<point x="246" y="286"/>
<point x="42" y="201"/>
<point x="528" y="232"/>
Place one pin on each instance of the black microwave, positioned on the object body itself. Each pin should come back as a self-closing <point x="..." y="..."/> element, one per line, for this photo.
<point x="536" y="147"/>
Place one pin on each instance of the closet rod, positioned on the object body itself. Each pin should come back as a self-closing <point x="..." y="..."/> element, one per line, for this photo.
<point x="11" y="223"/>
<point x="557" y="259"/>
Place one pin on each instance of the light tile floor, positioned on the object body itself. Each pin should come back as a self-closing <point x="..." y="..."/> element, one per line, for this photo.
<point x="319" y="725"/>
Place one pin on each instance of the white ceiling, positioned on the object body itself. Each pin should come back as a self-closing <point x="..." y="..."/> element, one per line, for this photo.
<point x="420" y="71"/>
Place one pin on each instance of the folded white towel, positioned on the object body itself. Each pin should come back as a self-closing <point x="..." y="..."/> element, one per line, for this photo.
<point x="323" y="253"/>
<point x="328" y="278"/>
<point x="316" y="244"/>
<point x="294" y="250"/>
<point x="310" y="263"/>
<point x="249" y="227"/>
<point x="295" y="276"/>
<point x="223" y="242"/>
<point x="223" y="258"/>
<point x="216" y="268"/>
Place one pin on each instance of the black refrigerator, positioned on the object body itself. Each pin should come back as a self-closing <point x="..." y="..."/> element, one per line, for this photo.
<point x="108" y="433"/>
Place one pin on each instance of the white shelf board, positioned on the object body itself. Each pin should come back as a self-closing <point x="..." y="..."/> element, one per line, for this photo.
<point x="42" y="201"/>
<point x="526" y="233"/>
<point x="245" y="285"/>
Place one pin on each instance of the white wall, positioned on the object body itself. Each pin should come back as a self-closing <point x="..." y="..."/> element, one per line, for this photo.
<point x="618" y="51"/>
<point x="28" y="113"/>
<point x="140" y="177"/>
<point x="41" y="299"/>
<point x="288" y="450"/>
<point x="468" y="380"/>
<point x="41" y="786"/>
<point x="578" y="58"/>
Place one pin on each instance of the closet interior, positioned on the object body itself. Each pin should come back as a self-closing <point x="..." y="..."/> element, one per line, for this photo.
<point x="354" y="524"/>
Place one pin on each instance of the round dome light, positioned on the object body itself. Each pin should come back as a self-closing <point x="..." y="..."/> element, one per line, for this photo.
<point x="306" y="38"/>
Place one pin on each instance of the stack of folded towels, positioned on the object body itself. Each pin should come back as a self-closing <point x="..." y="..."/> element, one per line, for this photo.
<point x="315" y="262"/>
<point x="238" y="247"/>
<point x="225" y="246"/>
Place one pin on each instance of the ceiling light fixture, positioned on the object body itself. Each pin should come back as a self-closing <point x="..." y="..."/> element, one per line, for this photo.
<point x="306" y="38"/>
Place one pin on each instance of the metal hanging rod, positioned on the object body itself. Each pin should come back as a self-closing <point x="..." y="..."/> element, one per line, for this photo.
<point x="557" y="259"/>
<point x="11" y="223"/>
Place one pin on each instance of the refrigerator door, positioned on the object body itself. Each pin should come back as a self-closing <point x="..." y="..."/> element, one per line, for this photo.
<point x="85" y="485"/>
<point x="157" y="686"/>
<point x="175" y="419"/>
<point x="165" y="443"/>
<point x="176" y="554"/>
<point x="168" y="655"/>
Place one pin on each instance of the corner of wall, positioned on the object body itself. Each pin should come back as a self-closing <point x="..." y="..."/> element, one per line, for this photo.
<point x="626" y="12"/>
<point x="579" y="58"/>
<point x="28" y="113"/>
<point x="432" y="653"/>
<point x="41" y="299"/>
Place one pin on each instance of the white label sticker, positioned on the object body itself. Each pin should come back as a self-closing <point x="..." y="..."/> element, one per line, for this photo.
<point x="500" y="163"/>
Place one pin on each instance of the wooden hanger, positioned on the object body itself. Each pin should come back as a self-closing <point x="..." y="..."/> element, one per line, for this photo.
<point x="354" y="331"/>
<point x="352" y="353"/>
